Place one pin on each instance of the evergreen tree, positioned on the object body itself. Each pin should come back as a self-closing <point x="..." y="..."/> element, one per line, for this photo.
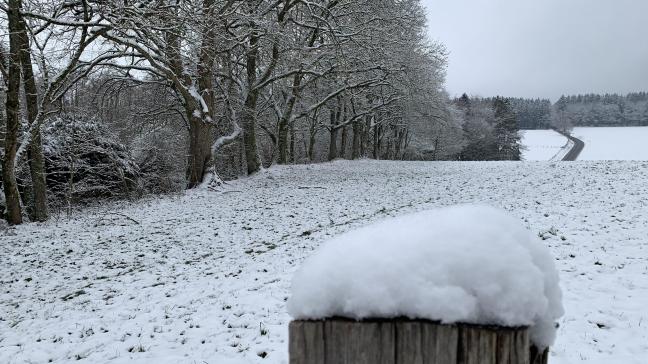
<point x="463" y="103"/>
<point x="478" y="129"/>
<point x="506" y="130"/>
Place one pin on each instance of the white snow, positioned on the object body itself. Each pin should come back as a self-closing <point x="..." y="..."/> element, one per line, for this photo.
<point x="544" y="145"/>
<point x="205" y="276"/>
<point x="470" y="264"/>
<point x="622" y="143"/>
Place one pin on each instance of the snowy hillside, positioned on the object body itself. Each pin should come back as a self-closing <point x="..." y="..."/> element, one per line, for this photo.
<point x="624" y="143"/>
<point x="205" y="277"/>
<point x="544" y="145"/>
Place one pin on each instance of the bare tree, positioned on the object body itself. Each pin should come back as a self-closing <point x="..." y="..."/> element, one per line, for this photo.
<point x="176" y="42"/>
<point x="65" y="29"/>
<point x="12" y="77"/>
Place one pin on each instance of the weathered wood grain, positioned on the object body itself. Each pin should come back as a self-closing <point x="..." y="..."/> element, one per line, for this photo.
<point x="402" y="341"/>
<point x="307" y="342"/>
<point x="447" y="338"/>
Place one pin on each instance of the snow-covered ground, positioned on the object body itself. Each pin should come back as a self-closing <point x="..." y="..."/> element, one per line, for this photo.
<point x="204" y="277"/>
<point x="544" y="145"/>
<point x="625" y="143"/>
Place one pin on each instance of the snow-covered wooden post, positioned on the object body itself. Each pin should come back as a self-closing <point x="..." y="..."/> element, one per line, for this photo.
<point x="401" y="341"/>
<point x="460" y="285"/>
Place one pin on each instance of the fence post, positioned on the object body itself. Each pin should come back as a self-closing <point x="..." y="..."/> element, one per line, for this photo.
<point x="403" y="341"/>
<point x="458" y="285"/>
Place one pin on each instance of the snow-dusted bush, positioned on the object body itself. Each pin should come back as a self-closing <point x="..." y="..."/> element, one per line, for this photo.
<point x="468" y="264"/>
<point x="160" y="171"/>
<point x="84" y="160"/>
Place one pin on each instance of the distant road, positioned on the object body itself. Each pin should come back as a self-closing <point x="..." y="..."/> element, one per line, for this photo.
<point x="576" y="150"/>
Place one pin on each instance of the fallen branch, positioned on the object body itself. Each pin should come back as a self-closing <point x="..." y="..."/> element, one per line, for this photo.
<point x="311" y="187"/>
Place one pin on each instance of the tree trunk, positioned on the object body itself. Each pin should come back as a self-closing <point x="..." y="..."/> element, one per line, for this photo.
<point x="199" y="110"/>
<point x="38" y="209"/>
<point x="344" y="136"/>
<point x="406" y="141"/>
<point x="285" y="122"/>
<point x="200" y="154"/>
<point x="355" y="144"/>
<point x="293" y="137"/>
<point x="248" y="115"/>
<point x="333" y="152"/>
<point x="248" y="119"/>
<point x="398" y="140"/>
<point x="364" y="138"/>
<point x="333" y="132"/>
<point x="311" y="143"/>
<point x="12" y="197"/>
<point x="282" y="140"/>
<point x="343" y="142"/>
<point x="376" y="144"/>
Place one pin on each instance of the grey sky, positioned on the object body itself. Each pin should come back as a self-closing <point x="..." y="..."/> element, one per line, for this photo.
<point x="542" y="48"/>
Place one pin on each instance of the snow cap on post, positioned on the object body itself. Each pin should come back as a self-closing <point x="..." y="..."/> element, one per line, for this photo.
<point x="464" y="264"/>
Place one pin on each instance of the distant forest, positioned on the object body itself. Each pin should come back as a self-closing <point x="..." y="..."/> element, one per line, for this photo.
<point x="603" y="110"/>
<point x="583" y="110"/>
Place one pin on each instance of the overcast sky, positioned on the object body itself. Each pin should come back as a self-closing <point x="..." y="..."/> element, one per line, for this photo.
<point x="542" y="48"/>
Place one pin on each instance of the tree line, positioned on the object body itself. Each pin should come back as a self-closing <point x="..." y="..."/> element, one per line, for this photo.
<point x="114" y="98"/>
<point x="602" y="110"/>
<point x="591" y="110"/>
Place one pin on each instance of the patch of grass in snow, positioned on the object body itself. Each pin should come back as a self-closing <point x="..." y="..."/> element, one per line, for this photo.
<point x="137" y="349"/>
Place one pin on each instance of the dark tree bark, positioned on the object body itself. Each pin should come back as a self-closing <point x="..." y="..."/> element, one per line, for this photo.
<point x="312" y="138"/>
<point x="364" y="139"/>
<point x="343" y="142"/>
<point x="293" y="140"/>
<point x="377" y="141"/>
<point x="355" y="144"/>
<point x="200" y="153"/>
<point x="401" y="147"/>
<point x="38" y="202"/>
<point x="333" y="134"/>
<point x="12" y="197"/>
<point x="333" y="144"/>
<point x="248" y="114"/>
<point x="285" y="120"/>
<point x="344" y="136"/>
<point x="248" y="120"/>
<point x="282" y="141"/>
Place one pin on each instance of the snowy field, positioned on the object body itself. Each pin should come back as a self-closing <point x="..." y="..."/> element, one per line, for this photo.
<point x="627" y="143"/>
<point x="544" y="145"/>
<point x="204" y="277"/>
